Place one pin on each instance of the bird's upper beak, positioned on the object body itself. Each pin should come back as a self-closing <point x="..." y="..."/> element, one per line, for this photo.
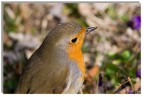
<point x="90" y="29"/>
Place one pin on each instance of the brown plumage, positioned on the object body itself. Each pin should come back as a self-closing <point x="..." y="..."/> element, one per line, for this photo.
<point x="57" y="66"/>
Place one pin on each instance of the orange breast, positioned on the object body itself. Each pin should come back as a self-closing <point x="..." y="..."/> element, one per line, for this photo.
<point x="75" y="53"/>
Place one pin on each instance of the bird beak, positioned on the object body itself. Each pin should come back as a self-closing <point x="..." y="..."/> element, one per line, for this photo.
<point x="90" y="29"/>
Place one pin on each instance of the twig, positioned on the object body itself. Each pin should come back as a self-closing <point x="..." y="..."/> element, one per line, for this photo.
<point x="97" y="85"/>
<point x="131" y="83"/>
<point x="120" y="86"/>
<point x="129" y="80"/>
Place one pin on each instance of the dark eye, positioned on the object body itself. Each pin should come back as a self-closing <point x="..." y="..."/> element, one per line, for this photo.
<point x="74" y="40"/>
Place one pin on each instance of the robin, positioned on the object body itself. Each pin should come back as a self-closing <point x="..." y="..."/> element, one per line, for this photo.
<point x="57" y="66"/>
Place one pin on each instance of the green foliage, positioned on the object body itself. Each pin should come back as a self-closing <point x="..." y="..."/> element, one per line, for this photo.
<point x="85" y="49"/>
<point x="9" y="23"/>
<point x="73" y="9"/>
<point x="118" y="66"/>
<point x="82" y="22"/>
<point x="125" y="55"/>
<point x="124" y="18"/>
<point x="11" y="84"/>
<point x="111" y="11"/>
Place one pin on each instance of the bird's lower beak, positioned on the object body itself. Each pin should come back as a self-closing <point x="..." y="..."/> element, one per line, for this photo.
<point x="90" y="29"/>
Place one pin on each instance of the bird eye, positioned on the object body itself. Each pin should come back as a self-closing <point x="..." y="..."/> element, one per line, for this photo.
<point x="74" y="40"/>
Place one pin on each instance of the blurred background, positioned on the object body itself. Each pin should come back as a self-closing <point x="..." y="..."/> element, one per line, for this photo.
<point x="112" y="53"/>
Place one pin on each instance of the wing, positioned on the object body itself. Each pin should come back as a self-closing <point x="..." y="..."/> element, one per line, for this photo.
<point x="40" y="77"/>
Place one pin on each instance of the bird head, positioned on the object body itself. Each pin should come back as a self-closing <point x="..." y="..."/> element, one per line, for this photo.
<point x="68" y="35"/>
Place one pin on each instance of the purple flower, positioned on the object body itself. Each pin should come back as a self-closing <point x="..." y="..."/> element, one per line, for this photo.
<point x="130" y="92"/>
<point x="138" y="73"/>
<point x="100" y="80"/>
<point x="135" y="23"/>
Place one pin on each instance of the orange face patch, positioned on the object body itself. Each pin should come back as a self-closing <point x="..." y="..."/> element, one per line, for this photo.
<point x="75" y="53"/>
